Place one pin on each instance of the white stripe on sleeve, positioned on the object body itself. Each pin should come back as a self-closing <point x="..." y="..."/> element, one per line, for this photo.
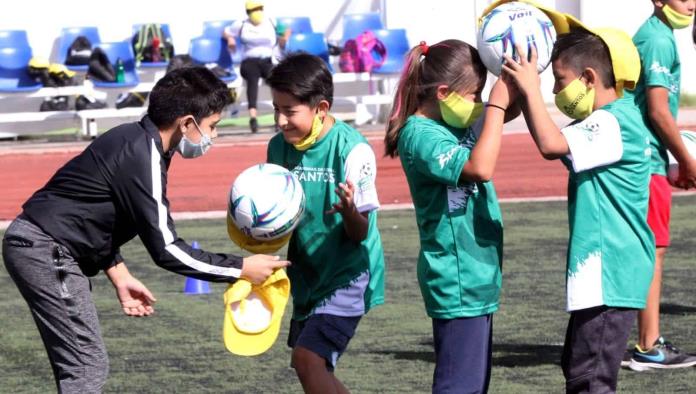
<point x="167" y="235"/>
<point x="201" y="266"/>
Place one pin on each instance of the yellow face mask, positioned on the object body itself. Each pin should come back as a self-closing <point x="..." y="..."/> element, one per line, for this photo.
<point x="311" y="138"/>
<point x="256" y="17"/>
<point x="459" y="112"/>
<point x="676" y="20"/>
<point x="576" y="100"/>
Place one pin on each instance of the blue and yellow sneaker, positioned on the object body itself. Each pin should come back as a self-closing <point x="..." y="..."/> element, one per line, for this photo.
<point x="662" y="355"/>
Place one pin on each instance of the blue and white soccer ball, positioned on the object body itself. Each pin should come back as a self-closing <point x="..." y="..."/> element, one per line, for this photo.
<point x="515" y="23"/>
<point x="266" y="202"/>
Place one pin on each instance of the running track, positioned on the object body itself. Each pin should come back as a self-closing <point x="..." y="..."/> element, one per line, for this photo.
<point x="202" y="184"/>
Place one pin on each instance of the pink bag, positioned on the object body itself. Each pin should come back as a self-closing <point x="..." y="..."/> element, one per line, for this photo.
<point x="362" y="54"/>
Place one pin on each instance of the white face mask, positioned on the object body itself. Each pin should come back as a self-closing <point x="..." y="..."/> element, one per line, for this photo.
<point x="191" y="150"/>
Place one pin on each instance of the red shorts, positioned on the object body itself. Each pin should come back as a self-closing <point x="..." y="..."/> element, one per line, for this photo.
<point x="659" y="206"/>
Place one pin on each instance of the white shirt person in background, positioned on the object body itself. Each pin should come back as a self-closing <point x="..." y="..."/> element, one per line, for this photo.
<point x="258" y="38"/>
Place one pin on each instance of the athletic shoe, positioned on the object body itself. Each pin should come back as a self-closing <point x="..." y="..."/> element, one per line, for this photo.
<point x="662" y="355"/>
<point x="253" y="125"/>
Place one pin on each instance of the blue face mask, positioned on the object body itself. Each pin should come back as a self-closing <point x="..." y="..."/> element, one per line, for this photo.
<point x="191" y="150"/>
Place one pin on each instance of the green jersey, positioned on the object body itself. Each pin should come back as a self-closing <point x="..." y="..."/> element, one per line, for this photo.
<point x="330" y="273"/>
<point x="660" y="66"/>
<point x="611" y="248"/>
<point x="460" y="225"/>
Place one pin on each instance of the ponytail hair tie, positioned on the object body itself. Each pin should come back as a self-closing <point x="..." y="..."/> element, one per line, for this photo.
<point x="424" y="47"/>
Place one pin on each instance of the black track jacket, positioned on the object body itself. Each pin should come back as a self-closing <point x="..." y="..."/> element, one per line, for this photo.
<point x="112" y="191"/>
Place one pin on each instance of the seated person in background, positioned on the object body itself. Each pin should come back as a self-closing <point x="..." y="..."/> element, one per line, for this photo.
<point x="257" y="34"/>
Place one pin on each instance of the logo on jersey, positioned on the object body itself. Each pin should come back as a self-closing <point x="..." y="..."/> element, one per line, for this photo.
<point x="444" y="158"/>
<point x="314" y="174"/>
<point x="589" y="129"/>
<point x="657" y="68"/>
<point x="365" y="177"/>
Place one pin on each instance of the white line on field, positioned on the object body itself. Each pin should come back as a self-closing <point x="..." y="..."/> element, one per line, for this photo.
<point x="194" y="215"/>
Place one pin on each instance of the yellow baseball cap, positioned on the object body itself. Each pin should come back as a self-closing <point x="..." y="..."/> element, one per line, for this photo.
<point x="250" y="5"/>
<point x="624" y="54"/>
<point x="56" y="68"/>
<point x="253" y="314"/>
<point x="625" y="60"/>
<point x="253" y="245"/>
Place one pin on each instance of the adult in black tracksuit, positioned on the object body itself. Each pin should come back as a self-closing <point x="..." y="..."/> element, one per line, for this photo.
<point x="114" y="190"/>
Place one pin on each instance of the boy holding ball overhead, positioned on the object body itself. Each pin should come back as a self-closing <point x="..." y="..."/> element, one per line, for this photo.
<point x="610" y="249"/>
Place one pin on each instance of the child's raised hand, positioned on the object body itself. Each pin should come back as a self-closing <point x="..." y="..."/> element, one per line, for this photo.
<point x="525" y="72"/>
<point x="345" y="192"/>
<point x="687" y="175"/>
<point x="504" y="91"/>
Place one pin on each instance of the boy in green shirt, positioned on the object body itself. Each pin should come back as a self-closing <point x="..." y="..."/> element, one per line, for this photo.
<point x="610" y="250"/>
<point x="657" y="97"/>
<point x="337" y="271"/>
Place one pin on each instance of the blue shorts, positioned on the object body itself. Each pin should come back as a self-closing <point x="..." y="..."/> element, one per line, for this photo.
<point x="323" y="334"/>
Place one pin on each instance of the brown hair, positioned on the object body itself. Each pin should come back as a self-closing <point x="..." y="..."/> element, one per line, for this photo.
<point x="450" y="62"/>
<point x="580" y="49"/>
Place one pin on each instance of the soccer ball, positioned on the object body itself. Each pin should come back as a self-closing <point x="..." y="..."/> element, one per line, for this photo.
<point x="266" y="202"/>
<point x="510" y="24"/>
<point x="689" y="138"/>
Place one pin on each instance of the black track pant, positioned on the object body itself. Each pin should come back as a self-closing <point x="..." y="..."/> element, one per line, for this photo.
<point x="252" y="69"/>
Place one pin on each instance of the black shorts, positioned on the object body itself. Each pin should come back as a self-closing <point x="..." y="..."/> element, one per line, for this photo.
<point x="324" y="334"/>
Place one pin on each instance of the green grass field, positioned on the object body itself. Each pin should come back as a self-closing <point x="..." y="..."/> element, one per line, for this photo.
<point x="180" y="349"/>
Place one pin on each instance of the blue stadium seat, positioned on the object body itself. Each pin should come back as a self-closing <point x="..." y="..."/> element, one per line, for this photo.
<point x="215" y="28"/>
<point x="396" y="43"/>
<point x="298" y="24"/>
<point x="68" y="35"/>
<point x="204" y="50"/>
<point x="314" y="43"/>
<point x="166" y="32"/>
<point x="124" y="51"/>
<point x="355" y="24"/>
<point x="13" y="70"/>
<point x="14" y="39"/>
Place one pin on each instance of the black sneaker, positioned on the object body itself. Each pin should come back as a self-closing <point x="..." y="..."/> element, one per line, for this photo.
<point x="132" y="99"/>
<point x="56" y="103"/>
<point x="253" y="125"/>
<point x="662" y="355"/>
<point x="87" y="102"/>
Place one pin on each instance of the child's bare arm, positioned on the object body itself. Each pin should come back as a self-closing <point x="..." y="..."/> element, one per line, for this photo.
<point x="481" y="163"/>
<point x="666" y="128"/>
<point x="547" y="136"/>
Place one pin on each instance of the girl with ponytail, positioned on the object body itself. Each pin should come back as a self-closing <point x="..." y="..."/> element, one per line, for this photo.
<point x="448" y="152"/>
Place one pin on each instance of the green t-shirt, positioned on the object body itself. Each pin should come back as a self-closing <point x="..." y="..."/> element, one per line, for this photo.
<point x="324" y="260"/>
<point x="611" y="248"/>
<point x="460" y="225"/>
<point x="660" y="66"/>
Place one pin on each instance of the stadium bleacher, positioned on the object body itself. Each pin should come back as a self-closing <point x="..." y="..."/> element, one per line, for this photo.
<point x="364" y="89"/>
